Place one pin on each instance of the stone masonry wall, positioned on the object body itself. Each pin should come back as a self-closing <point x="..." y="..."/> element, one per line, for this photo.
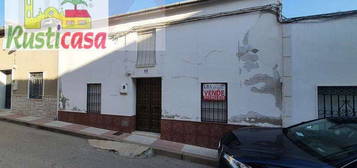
<point x="45" y="107"/>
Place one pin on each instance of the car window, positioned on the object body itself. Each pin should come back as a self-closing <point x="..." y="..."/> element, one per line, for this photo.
<point x="326" y="138"/>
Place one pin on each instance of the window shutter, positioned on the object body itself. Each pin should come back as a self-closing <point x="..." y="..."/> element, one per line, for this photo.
<point x="146" y="56"/>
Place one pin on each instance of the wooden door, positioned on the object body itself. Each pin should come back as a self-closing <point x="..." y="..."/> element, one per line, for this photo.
<point x="148" y="104"/>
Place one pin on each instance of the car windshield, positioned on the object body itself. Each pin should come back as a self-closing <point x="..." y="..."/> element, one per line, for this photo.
<point x="329" y="139"/>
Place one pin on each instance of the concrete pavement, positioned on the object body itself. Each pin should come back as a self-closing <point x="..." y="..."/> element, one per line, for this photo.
<point x="25" y="147"/>
<point x="167" y="148"/>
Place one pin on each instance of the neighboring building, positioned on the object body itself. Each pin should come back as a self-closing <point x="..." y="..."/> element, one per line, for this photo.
<point x="28" y="82"/>
<point x="5" y="80"/>
<point x="189" y="71"/>
<point x="320" y="57"/>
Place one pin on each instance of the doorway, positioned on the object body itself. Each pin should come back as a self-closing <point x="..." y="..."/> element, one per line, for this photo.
<point x="148" y="104"/>
<point x="5" y="89"/>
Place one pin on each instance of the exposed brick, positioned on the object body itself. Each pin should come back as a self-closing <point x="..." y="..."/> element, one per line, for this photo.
<point x="45" y="107"/>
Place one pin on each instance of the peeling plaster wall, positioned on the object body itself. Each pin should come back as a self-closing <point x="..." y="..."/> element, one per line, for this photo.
<point x="213" y="51"/>
<point x="323" y="53"/>
<point x="237" y="50"/>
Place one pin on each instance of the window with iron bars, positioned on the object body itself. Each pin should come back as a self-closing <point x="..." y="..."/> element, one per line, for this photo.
<point x="215" y="110"/>
<point x="36" y="85"/>
<point x="94" y="94"/>
<point x="337" y="101"/>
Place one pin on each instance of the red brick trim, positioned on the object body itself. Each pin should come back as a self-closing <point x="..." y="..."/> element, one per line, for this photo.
<point x="110" y="122"/>
<point x="195" y="133"/>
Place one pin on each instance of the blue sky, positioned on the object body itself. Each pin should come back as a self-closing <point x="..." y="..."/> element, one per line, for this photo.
<point x="295" y="8"/>
<point x="291" y="8"/>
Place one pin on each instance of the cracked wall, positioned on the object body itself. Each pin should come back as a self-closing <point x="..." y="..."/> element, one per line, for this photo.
<point x="248" y="54"/>
<point x="253" y="79"/>
<point x="260" y="79"/>
<point x="270" y="85"/>
<point x="167" y="115"/>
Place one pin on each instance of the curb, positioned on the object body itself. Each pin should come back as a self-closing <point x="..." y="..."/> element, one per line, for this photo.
<point x="187" y="157"/>
<point x="173" y="154"/>
<point x="52" y="129"/>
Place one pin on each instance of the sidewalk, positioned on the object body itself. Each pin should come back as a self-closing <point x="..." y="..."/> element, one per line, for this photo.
<point x="161" y="147"/>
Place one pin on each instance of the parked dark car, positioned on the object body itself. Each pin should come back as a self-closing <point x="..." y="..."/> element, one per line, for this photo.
<point x="324" y="143"/>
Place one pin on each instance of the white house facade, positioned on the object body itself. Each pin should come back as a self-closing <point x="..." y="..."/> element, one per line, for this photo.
<point x="192" y="71"/>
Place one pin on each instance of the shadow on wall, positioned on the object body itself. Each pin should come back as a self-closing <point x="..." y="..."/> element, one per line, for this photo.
<point x="111" y="68"/>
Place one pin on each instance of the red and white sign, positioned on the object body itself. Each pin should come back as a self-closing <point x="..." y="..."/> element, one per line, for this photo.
<point x="214" y="92"/>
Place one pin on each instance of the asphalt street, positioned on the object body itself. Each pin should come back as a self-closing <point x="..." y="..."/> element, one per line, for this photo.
<point x="25" y="147"/>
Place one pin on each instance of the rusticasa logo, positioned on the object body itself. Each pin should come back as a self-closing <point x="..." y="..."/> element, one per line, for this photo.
<point x="56" y="24"/>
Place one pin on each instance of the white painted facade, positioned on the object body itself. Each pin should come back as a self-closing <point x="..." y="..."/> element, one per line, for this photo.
<point x="242" y="50"/>
<point x="317" y="52"/>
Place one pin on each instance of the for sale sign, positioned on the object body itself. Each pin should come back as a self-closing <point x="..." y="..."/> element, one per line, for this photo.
<point x="214" y="92"/>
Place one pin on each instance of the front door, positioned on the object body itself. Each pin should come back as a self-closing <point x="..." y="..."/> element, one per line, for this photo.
<point x="2" y="89"/>
<point x="148" y="104"/>
<point x="8" y="90"/>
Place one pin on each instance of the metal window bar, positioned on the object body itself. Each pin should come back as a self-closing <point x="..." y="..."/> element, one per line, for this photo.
<point x="337" y="101"/>
<point x="214" y="111"/>
<point x="94" y="98"/>
<point x="36" y="85"/>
